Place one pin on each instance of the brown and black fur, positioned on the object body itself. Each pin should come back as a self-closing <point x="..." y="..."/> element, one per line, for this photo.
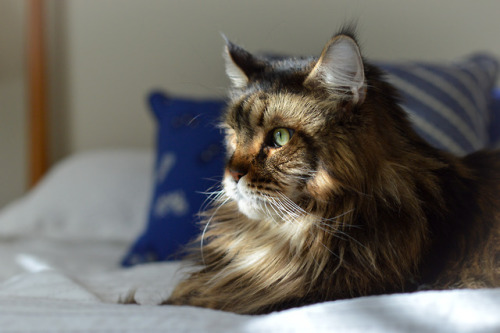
<point x="369" y="206"/>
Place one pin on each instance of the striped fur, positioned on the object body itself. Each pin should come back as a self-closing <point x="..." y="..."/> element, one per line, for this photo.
<point x="356" y="203"/>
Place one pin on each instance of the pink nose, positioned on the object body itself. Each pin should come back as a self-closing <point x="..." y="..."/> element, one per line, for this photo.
<point x="236" y="174"/>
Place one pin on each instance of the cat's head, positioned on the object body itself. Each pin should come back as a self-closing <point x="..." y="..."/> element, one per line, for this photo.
<point x="301" y="132"/>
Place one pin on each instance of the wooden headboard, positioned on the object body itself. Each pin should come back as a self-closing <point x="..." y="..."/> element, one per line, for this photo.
<point x="37" y="93"/>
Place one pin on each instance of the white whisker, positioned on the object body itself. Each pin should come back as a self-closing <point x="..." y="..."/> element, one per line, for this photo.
<point x="202" y="238"/>
<point x="324" y="224"/>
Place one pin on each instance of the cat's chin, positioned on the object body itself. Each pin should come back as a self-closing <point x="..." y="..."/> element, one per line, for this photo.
<point x="249" y="210"/>
<point x="248" y="205"/>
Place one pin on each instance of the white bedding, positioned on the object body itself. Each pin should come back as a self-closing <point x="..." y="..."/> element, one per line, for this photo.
<point x="55" y="282"/>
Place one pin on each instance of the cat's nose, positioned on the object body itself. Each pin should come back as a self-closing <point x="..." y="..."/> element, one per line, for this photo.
<point x="236" y="174"/>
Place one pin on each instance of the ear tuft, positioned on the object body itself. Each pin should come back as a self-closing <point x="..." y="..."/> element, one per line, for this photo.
<point x="235" y="73"/>
<point x="340" y="69"/>
<point x="241" y="65"/>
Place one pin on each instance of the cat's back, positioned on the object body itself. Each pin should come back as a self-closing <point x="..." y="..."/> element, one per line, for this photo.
<point x="476" y="219"/>
<point x="484" y="171"/>
<point x="485" y="161"/>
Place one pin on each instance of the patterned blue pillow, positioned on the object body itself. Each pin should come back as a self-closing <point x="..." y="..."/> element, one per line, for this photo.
<point x="189" y="161"/>
<point x="449" y="105"/>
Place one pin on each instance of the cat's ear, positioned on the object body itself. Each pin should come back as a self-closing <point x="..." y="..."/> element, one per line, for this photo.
<point x="240" y="64"/>
<point x="340" y="69"/>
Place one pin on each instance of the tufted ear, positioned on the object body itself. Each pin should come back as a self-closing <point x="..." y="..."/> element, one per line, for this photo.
<point x="241" y="65"/>
<point x="340" y="69"/>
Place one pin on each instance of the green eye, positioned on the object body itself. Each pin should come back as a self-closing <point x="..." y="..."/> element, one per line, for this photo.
<point x="281" y="136"/>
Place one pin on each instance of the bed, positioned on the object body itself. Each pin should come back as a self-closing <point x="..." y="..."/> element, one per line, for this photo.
<point x="61" y="247"/>
<point x="104" y="226"/>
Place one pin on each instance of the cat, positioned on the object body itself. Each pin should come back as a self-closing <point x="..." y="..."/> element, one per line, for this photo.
<point x="328" y="192"/>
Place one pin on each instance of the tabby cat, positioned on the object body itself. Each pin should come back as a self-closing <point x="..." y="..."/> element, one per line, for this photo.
<point x="328" y="192"/>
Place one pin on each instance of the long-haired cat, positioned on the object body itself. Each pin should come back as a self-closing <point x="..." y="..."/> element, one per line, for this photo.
<point x="328" y="192"/>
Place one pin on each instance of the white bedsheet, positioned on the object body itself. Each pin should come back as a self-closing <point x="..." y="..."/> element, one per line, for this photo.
<point x="66" y="287"/>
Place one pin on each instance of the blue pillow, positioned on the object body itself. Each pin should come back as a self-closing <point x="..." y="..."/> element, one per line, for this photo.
<point x="189" y="161"/>
<point x="449" y="105"/>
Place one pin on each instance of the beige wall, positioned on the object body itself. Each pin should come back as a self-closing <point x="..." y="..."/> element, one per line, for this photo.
<point x="12" y="100"/>
<point x="106" y="55"/>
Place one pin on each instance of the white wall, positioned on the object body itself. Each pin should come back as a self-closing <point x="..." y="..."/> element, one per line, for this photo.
<point x="118" y="50"/>
<point x="106" y="55"/>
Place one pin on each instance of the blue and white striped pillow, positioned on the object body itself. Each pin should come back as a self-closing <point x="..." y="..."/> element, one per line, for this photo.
<point x="449" y="104"/>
